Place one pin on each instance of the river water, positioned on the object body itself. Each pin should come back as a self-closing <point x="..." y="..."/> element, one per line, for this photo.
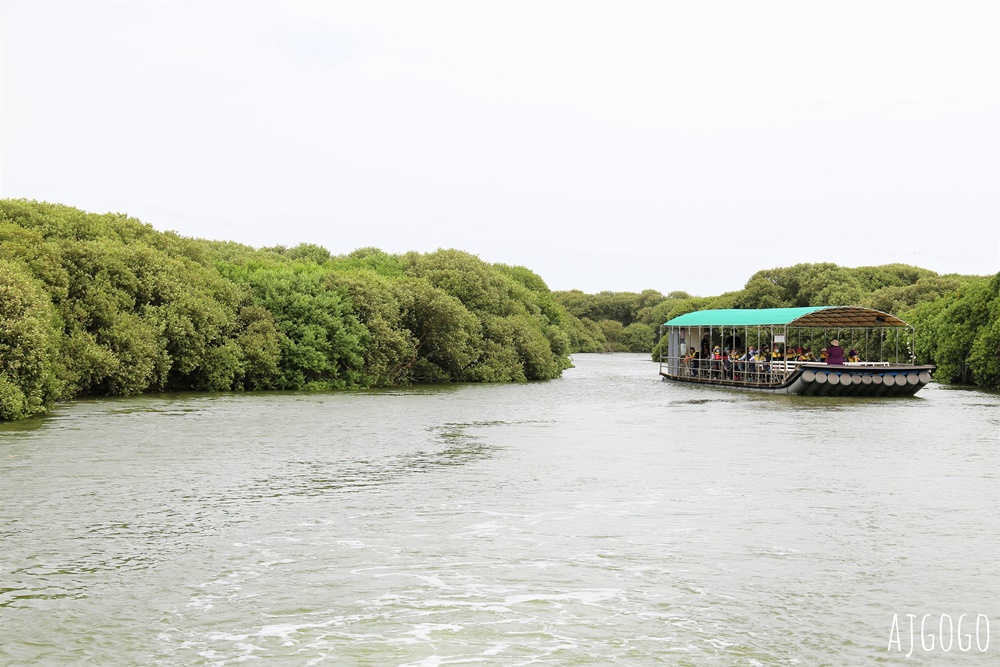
<point x="602" y="518"/>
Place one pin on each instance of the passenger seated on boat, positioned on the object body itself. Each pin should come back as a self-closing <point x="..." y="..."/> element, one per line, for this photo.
<point x="807" y="355"/>
<point x="852" y="356"/>
<point x="716" y="362"/>
<point x="704" y="356"/>
<point x="729" y="358"/>
<point x="746" y="362"/>
<point x="691" y="362"/>
<point x="777" y="353"/>
<point x="822" y="356"/>
<point x="761" y="365"/>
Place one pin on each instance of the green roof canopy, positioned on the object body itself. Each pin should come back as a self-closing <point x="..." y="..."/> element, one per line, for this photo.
<point x="811" y="316"/>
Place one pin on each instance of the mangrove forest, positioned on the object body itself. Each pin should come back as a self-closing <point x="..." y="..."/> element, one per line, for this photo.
<point x="103" y="304"/>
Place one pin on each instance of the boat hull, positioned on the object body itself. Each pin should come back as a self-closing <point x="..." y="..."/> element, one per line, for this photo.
<point x="825" y="380"/>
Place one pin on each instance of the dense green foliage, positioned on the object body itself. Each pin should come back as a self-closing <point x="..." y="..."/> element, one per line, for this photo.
<point x="957" y="317"/>
<point x="104" y="304"/>
<point x="27" y="344"/>
<point x="620" y="321"/>
<point x="960" y="332"/>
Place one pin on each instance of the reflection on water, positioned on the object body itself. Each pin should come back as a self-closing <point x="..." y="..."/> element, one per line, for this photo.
<point x="602" y="518"/>
<point x="9" y="430"/>
<point x="450" y="445"/>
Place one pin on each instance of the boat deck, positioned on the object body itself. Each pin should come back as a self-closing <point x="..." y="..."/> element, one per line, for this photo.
<point x="819" y="379"/>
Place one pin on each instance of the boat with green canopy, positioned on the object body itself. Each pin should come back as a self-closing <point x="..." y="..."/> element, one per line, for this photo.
<point x="794" y="351"/>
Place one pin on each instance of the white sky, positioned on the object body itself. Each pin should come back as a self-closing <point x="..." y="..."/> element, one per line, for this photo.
<point x="605" y="145"/>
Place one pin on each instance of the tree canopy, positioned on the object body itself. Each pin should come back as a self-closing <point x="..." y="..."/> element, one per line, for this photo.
<point x="105" y="304"/>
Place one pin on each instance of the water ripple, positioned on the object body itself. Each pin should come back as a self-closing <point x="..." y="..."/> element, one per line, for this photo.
<point x="603" y="518"/>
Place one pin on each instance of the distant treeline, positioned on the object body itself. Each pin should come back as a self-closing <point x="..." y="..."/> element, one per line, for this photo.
<point x="957" y="317"/>
<point x="106" y="305"/>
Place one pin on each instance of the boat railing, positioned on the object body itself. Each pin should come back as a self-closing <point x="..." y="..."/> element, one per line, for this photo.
<point x="769" y="372"/>
<point x="763" y="373"/>
<point x="785" y="366"/>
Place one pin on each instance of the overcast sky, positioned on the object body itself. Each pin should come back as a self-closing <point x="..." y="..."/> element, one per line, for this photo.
<point x="605" y="145"/>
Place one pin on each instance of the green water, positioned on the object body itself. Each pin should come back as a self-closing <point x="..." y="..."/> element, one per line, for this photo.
<point x="602" y="518"/>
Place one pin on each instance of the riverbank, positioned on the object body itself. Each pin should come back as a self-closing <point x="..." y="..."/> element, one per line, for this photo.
<point x="106" y="305"/>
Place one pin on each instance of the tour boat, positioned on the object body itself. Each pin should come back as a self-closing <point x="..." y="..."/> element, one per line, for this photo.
<point x="713" y="347"/>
